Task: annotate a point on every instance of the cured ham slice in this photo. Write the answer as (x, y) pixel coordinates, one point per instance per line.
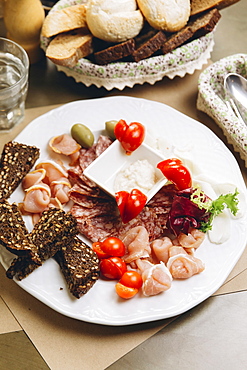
(60, 189)
(37, 198)
(33, 178)
(182, 265)
(156, 278)
(53, 171)
(65, 144)
(136, 241)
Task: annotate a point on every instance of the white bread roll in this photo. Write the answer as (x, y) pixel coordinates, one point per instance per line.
(166, 15)
(114, 20)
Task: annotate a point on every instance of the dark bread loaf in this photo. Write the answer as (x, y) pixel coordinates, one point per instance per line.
(79, 265)
(16, 161)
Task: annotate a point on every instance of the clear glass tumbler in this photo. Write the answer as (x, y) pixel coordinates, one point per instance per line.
(14, 70)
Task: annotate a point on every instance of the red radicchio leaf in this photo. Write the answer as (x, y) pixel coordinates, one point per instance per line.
(185, 214)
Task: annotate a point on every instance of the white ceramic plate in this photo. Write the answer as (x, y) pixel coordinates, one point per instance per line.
(183, 60)
(101, 304)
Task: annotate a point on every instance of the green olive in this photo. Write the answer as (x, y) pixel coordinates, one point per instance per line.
(82, 134)
(109, 126)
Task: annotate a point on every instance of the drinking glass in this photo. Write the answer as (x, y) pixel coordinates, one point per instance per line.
(14, 69)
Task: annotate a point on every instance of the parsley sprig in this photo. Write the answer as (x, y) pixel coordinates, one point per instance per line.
(215, 207)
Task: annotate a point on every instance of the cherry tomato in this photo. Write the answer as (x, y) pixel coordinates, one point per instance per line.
(174, 170)
(131, 279)
(98, 250)
(113, 247)
(113, 267)
(130, 136)
(125, 291)
(130, 204)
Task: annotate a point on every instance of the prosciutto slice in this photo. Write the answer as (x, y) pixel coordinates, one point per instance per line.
(60, 189)
(191, 241)
(183, 265)
(156, 278)
(160, 248)
(33, 178)
(37, 198)
(136, 242)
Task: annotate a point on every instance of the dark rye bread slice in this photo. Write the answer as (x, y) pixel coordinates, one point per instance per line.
(204, 23)
(52, 230)
(14, 234)
(16, 161)
(115, 52)
(177, 39)
(195, 28)
(147, 43)
(79, 265)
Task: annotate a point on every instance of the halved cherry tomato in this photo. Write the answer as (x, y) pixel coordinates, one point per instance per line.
(174, 170)
(113, 247)
(130, 136)
(96, 247)
(130, 204)
(113, 267)
(125, 291)
(131, 279)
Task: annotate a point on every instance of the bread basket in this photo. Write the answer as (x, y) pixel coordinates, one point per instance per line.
(183, 60)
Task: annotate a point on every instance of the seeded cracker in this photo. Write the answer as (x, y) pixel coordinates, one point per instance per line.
(79, 265)
(16, 161)
(53, 229)
(13, 233)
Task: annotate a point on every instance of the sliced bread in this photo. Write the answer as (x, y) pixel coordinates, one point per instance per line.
(16, 161)
(14, 234)
(197, 27)
(53, 229)
(147, 43)
(79, 265)
(205, 23)
(199, 6)
(115, 52)
(64, 20)
(177, 39)
(67, 48)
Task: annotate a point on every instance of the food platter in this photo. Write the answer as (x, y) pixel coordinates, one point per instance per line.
(101, 305)
(185, 59)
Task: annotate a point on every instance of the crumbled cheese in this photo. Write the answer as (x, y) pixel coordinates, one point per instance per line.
(138, 175)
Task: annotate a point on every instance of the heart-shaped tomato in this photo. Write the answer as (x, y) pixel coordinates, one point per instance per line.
(130, 204)
(130, 136)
